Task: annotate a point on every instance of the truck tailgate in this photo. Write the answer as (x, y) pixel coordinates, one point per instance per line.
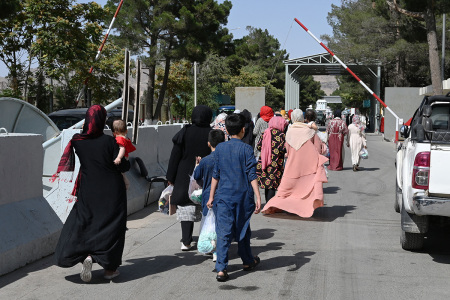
(439, 169)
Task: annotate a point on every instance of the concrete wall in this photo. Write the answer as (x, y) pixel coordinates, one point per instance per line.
(32, 210)
(29, 227)
(250, 98)
(404, 102)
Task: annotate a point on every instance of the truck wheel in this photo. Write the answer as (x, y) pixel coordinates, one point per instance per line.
(398, 197)
(411, 241)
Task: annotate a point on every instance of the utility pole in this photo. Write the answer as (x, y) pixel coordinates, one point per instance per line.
(443, 48)
(195, 83)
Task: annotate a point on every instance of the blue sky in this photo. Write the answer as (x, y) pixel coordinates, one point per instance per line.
(278, 18)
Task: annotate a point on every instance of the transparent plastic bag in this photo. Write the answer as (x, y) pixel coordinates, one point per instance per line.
(207, 239)
(163, 203)
(195, 191)
(364, 154)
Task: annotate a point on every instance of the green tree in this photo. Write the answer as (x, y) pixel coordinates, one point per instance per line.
(14, 43)
(310, 91)
(65, 41)
(169, 31)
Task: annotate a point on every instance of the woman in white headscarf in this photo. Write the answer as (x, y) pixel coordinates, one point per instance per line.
(300, 191)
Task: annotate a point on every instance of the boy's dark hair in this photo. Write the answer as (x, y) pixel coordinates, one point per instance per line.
(310, 115)
(234, 123)
(119, 126)
(215, 137)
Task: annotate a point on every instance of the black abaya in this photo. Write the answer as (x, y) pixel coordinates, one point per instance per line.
(97, 223)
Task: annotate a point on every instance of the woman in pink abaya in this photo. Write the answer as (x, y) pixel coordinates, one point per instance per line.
(301, 189)
(336, 130)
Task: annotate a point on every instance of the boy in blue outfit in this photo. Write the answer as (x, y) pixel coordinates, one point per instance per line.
(205, 169)
(233, 190)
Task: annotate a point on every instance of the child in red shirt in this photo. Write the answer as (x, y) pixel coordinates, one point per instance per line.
(120, 130)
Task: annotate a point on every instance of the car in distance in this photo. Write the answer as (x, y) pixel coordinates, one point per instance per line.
(66, 118)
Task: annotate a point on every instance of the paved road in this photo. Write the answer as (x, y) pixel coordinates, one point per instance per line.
(349, 249)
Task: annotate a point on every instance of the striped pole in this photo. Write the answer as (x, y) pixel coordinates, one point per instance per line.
(356, 77)
(101, 46)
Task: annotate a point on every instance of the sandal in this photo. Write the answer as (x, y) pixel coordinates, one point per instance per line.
(224, 277)
(253, 265)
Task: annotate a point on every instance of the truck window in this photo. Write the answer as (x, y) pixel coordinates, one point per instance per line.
(440, 116)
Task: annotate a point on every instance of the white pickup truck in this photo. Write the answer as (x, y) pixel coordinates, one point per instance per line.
(423, 162)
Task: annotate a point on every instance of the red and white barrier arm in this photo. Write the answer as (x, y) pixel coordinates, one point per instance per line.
(397, 119)
(103, 44)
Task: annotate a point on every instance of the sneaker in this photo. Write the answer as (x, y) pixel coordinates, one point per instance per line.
(113, 275)
(86, 274)
(214, 256)
(185, 248)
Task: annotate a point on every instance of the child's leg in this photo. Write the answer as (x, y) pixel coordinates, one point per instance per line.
(224, 231)
(125, 179)
(244, 250)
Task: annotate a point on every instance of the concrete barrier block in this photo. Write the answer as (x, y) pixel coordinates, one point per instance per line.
(21, 167)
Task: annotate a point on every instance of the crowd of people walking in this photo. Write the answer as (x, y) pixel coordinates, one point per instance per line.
(232, 158)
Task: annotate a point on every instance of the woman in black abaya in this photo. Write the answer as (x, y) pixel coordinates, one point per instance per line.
(191, 141)
(95, 228)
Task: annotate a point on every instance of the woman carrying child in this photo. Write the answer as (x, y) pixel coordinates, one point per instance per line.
(191, 141)
(270, 165)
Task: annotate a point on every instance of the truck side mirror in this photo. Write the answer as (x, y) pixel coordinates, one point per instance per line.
(404, 131)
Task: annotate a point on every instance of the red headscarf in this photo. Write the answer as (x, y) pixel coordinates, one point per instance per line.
(278, 123)
(289, 113)
(92, 128)
(266, 113)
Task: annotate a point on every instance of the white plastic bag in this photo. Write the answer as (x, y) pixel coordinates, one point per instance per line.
(364, 154)
(163, 203)
(195, 191)
(207, 239)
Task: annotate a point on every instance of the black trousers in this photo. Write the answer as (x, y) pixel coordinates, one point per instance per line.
(187, 228)
(269, 193)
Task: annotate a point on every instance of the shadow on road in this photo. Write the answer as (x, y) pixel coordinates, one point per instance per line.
(331, 189)
(321, 214)
(368, 169)
(437, 243)
(263, 234)
(294, 262)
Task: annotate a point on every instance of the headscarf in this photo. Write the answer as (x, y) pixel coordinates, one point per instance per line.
(201, 116)
(219, 123)
(278, 123)
(297, 116)
(94, 124)
(247, 115)
(337, 113)
(283, 113)
(289, 114)
(357, 121)
(266, 113)
(299, 132)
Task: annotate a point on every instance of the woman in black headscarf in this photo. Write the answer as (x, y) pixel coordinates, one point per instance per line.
(95, 228)
(191, 141)
(249, 126)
